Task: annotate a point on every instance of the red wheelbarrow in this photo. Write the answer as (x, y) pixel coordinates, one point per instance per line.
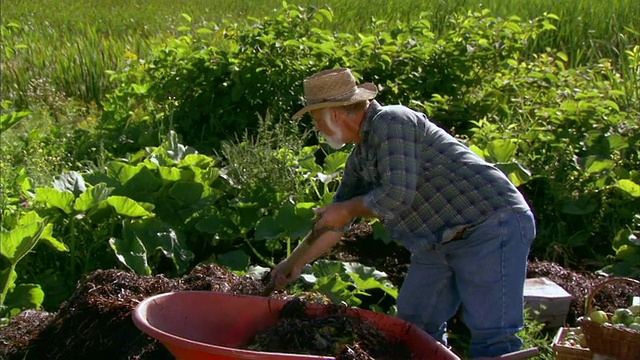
(203, 325)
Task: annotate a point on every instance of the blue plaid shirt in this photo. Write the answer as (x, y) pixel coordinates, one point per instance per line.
(420, 181)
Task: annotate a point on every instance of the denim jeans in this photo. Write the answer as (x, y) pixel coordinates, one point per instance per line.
(484, 272)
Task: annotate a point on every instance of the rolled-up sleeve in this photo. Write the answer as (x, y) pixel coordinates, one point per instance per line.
(397, 165)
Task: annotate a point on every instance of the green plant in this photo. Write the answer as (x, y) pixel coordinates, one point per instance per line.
(534, 335)
(574, 132)
(348, 283)
(14, 246)
(10, 118)
(626, 244)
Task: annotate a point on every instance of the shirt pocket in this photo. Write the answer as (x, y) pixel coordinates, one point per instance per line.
(369, 168)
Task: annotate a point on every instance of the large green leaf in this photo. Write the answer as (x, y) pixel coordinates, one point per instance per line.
(9, 120)
(380, 232)
(197, 160)
(122, 171)
(336, 289)
(187, 192)
(327, 278)
(366, 278)
(516, 172)
(127, 207)
(47, 238)
(143, 182)
(629, 186)
(595, 164)
(617, 142)
(219, 225)
(206, 176)
(135, 180)
(92, 197)
(176, 174)
(480, 152)
(156, 235)
(268, 228)
(16, 243)
(335, 162)
(236, 260)
(502, 151)
(132, 253)
(47, 234)
(629, 253)
(72, 182)
(25, 296)
(296, 219)
(62, 200)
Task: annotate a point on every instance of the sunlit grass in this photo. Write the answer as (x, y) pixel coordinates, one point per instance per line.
(72, 44)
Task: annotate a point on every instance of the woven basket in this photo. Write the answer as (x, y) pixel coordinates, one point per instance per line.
(620, 343)
(563, 352)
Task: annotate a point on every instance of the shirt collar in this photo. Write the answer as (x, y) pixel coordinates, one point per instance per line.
(373, 109)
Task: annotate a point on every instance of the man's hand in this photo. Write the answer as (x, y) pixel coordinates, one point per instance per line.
(284, 274)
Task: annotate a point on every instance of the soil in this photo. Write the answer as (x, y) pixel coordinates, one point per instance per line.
(95, 322)
(334, 334)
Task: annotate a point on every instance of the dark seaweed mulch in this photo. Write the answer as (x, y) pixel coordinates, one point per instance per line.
(95, 323)
(335, 333)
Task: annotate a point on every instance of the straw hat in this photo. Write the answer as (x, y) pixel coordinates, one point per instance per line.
(334, 87)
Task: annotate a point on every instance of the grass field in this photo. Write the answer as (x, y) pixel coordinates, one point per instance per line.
(68, 45)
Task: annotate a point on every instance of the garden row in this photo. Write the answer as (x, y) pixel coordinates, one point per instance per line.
(194, 158)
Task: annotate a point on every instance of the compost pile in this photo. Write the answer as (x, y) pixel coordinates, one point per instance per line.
(580, 284)
(334, 333)
(95, 323)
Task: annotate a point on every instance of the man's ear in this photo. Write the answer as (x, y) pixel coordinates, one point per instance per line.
(336, 116)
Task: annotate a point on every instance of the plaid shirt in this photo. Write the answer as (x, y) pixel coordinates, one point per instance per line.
(420, 181)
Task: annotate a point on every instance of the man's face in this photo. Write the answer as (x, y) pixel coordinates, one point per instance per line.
(328, 128)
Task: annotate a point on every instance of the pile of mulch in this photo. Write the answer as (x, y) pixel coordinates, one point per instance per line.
(580, 285)
(95, 323)
(335, 333)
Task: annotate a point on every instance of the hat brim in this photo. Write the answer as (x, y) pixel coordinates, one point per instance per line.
(364, 92)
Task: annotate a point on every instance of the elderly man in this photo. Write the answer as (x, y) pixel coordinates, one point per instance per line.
(468, 228)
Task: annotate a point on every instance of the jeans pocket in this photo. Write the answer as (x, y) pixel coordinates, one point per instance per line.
(527, 227)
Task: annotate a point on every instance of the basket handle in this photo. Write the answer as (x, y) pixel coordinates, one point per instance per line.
(588, 307)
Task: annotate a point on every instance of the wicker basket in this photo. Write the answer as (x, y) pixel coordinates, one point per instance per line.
(620, 343)
(563, 352)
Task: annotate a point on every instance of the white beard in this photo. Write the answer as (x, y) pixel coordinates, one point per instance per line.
(335, 140)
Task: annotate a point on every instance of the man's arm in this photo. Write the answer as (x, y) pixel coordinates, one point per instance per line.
(339, 215)
(311, 248)
(398, 164)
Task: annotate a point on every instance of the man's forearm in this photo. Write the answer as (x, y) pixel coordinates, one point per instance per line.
(312, 248)
(356, 208)
(308, 251)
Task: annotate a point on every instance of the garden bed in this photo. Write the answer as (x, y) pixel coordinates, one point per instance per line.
(95, 322)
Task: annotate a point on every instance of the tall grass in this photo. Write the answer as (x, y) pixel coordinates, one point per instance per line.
(71, 44)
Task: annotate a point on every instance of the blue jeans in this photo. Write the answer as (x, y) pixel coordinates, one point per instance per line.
(484, 272)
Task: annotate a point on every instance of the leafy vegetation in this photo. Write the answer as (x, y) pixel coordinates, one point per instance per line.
(157, 148)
